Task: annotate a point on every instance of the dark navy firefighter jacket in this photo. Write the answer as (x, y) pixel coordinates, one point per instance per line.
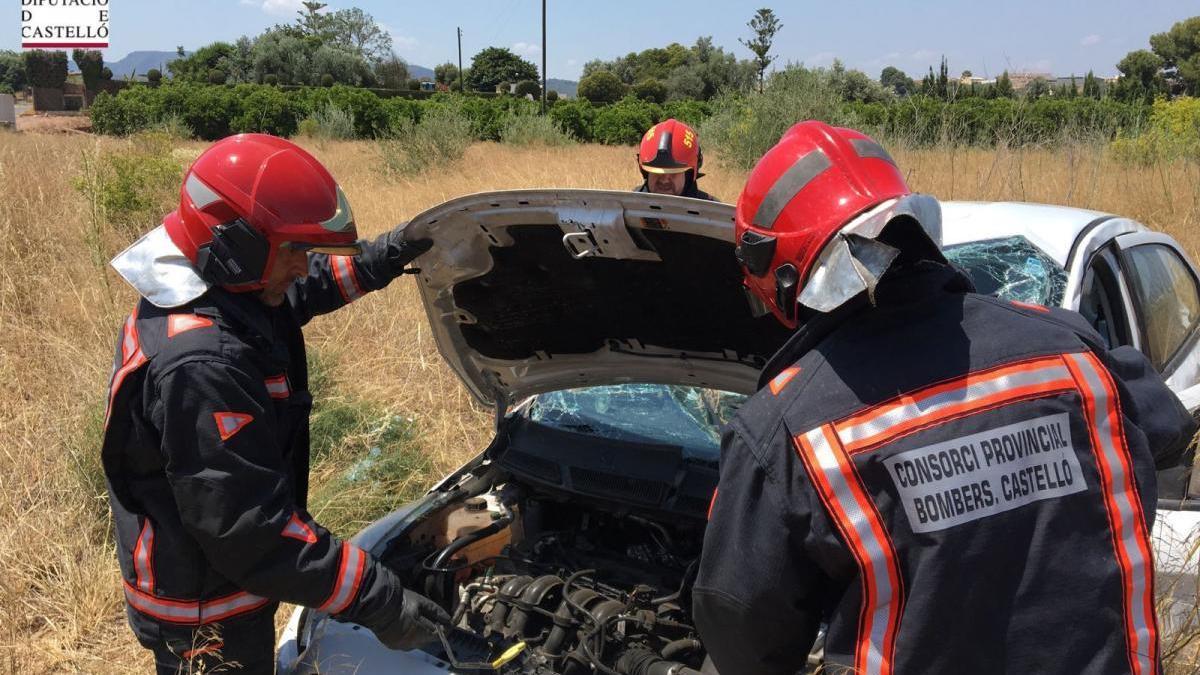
(206, 456)
(952, 483)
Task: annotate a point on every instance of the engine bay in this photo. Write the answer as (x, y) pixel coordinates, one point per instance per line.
(541, 582)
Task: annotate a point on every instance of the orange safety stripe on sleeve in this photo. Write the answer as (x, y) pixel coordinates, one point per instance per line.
(349, 577)
(346, 277)
(781, 380)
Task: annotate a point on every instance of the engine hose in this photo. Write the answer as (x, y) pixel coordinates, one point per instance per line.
(466, 540)
(684, 646)
(641, 661)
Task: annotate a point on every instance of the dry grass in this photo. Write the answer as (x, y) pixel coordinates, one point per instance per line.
(60, 605)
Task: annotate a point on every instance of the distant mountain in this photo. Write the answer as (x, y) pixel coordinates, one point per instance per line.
(417, 72)
(563, 87)
(137, 63)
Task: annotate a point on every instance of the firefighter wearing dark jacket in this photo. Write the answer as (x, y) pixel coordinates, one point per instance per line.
(949, 482)
(206, 434)
(669, 158)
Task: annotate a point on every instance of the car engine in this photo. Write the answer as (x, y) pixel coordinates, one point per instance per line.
(550, 584)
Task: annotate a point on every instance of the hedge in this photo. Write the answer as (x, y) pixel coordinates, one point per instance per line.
(214, 111)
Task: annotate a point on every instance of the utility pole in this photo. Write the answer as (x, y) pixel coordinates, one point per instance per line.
(543, 57)
(461, 88)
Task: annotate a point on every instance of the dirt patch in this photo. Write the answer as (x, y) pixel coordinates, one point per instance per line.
(54, 123)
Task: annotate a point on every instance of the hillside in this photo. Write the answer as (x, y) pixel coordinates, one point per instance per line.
(563, 87)
(137, 63)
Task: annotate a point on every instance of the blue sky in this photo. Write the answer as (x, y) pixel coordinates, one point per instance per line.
(1060, 37)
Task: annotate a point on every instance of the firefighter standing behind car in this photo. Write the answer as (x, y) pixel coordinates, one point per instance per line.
(951, 482)
(206, 434)
(670, 159)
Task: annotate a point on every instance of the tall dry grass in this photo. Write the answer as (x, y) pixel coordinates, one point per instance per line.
(60, 604)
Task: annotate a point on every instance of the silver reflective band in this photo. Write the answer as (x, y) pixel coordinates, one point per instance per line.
(788, 186)
(868, 148)
(200, 194)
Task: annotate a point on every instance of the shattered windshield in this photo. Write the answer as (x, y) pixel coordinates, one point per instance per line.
(689, 417)
(1011, 269)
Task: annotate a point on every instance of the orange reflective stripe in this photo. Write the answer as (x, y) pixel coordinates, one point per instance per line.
(1029, 305)
(277, 387)
(143, 558)
(346, 277)
(132, 358)
(781, 380)
(229, 423)
(192, 612)
(854, 514)
(200, 651)
(298, 529)
(349, 576)
(182, 323)
(1131, 542)
(955, 398)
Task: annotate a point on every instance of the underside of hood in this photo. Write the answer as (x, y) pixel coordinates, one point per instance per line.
(529, 291)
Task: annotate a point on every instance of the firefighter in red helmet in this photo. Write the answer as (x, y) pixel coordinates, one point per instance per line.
(947, 482)
(205, 446)
(669, 158)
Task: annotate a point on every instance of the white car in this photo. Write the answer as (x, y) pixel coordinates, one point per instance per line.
(610, 333)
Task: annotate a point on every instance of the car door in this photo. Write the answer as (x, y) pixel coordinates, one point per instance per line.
(1165, 292)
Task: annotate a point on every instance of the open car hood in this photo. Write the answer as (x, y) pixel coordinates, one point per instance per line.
(529, 291)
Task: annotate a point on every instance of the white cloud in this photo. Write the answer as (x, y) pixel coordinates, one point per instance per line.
(1090, 40)
(281, 7)
(820, 59)
(526, 49)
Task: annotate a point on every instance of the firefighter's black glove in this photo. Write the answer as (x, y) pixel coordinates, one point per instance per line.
(403, 249)
(414, 625)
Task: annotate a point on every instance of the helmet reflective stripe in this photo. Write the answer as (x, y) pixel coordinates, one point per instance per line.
(200, 194)
(799, 174)
(868, 148)
(343, 218)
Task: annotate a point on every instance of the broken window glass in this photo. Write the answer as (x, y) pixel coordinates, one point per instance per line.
(689, 417)
(1011, 269)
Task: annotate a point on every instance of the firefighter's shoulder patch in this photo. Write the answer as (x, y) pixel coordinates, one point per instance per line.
(229, 423)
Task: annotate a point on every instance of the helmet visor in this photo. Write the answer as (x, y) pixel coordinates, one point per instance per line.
(329, 249)
(665, 169)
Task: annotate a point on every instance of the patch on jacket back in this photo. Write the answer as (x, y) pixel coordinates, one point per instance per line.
(983, 474)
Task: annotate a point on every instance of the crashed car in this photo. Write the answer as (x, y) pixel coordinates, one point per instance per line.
(610, 334)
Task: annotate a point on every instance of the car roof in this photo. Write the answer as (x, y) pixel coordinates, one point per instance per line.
(1053, 229)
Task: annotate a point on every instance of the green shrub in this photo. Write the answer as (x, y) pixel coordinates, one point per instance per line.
(134, 184)
(743, 129)
(401, 112)
(265, 110)
(1173, 133)
(121, 115)
(327, 80)
(328, 122)
(173, 127)
(370, 118)
(533, 130)
(154, 75)
(551, 96)
(442, 135)
(624, 122)
(270, 79)
(574, 117)
(692, 113)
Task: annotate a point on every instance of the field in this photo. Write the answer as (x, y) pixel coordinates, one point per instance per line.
(60, 306)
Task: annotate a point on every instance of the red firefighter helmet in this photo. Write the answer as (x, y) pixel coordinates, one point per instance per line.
(807, 219)
(670, 147)
(247, 196)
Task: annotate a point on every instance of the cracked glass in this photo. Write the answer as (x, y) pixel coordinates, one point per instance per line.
(1011, 269)
(691, 418)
